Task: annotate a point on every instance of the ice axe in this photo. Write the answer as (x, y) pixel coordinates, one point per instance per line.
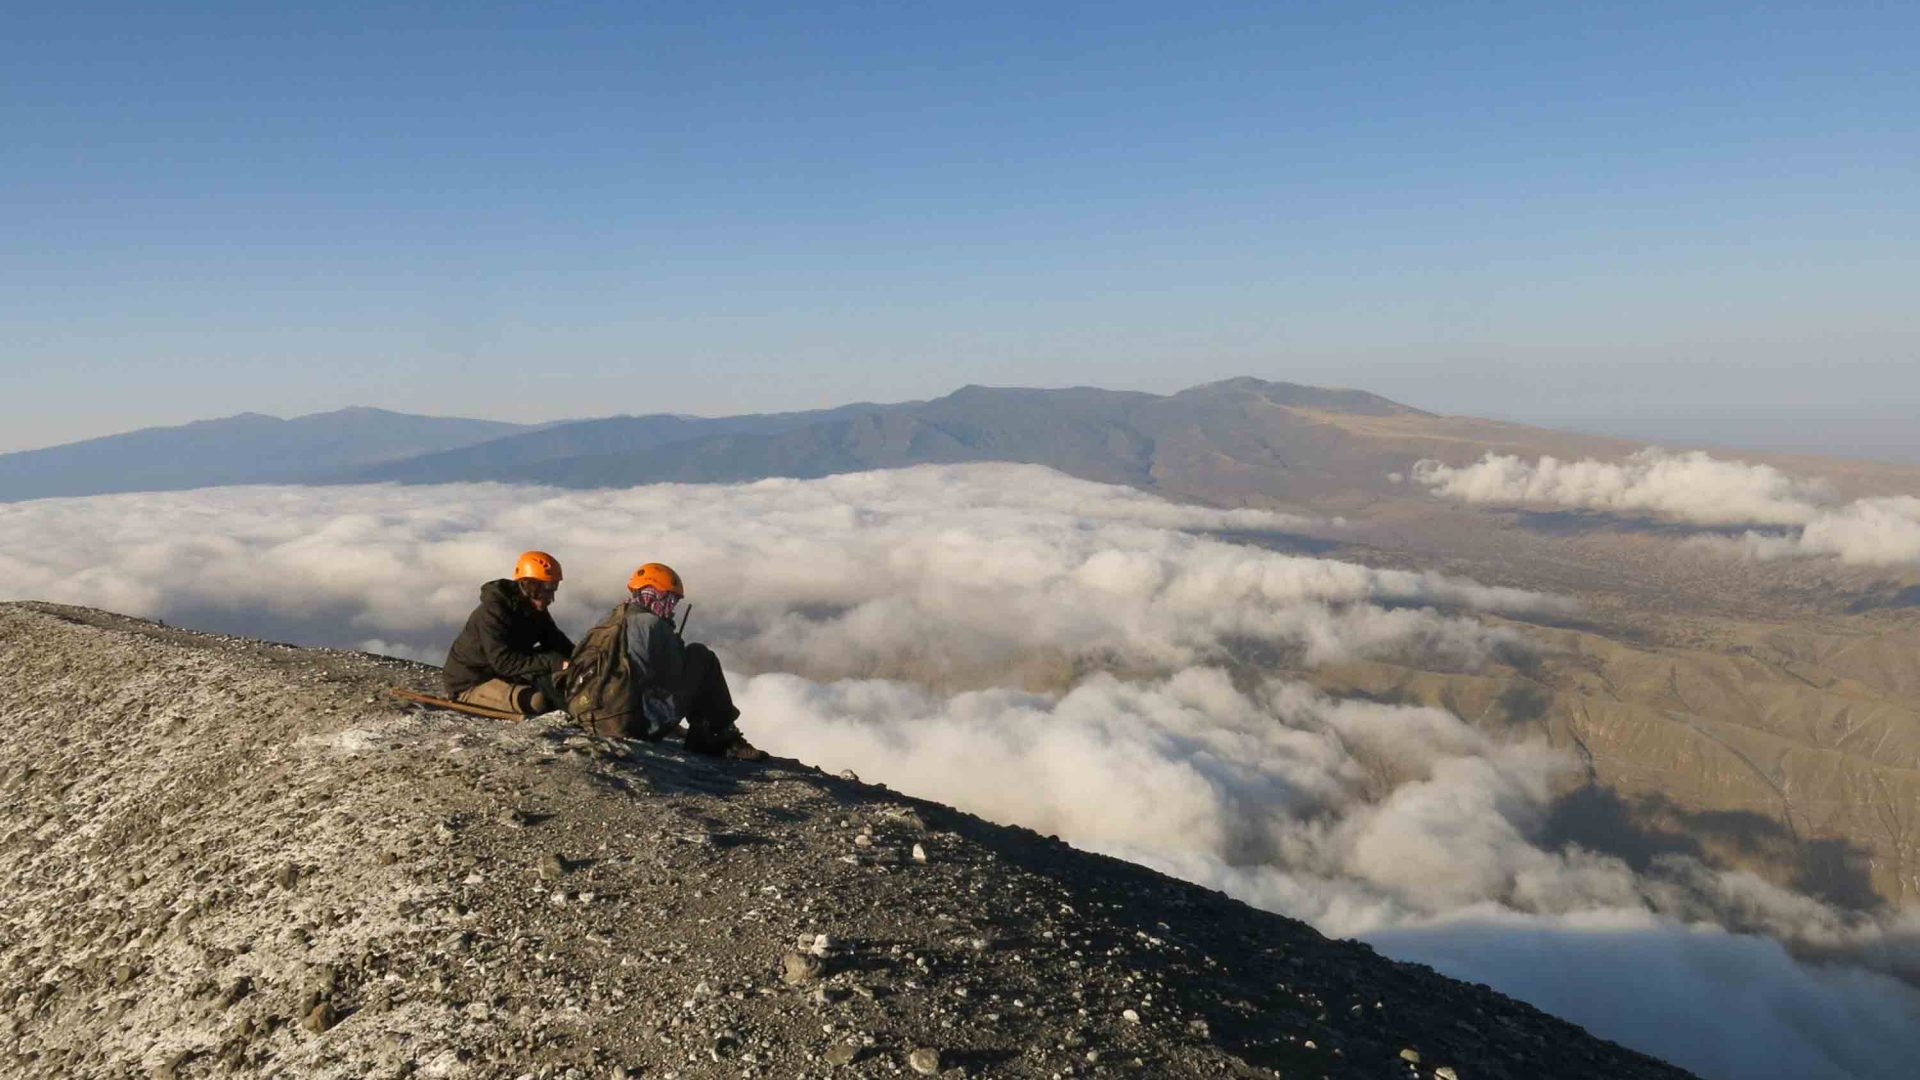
(685, 614)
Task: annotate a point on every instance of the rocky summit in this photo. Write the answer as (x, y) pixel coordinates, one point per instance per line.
(223, 857)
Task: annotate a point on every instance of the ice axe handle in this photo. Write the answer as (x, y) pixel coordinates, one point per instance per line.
(685, 614)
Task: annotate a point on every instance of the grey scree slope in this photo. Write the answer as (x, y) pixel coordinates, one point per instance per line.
(221, 856)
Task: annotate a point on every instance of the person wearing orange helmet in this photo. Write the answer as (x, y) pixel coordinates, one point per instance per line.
(678, 678)
(510, 650)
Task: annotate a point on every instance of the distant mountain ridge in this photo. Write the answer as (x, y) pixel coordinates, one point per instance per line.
(1126, 437)
(250, 448)
(512, 456)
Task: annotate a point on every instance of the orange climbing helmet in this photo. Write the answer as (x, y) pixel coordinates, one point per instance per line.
(537, 565)
(659, 576)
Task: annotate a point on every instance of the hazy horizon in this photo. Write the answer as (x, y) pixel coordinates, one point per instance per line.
(1888, 434)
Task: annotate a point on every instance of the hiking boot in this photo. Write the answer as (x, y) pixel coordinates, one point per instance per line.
(728, 744)
(742, 750)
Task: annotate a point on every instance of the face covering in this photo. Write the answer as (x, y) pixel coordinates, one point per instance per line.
(660, 603)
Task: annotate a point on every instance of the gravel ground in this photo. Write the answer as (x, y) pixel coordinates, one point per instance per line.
(221, 856)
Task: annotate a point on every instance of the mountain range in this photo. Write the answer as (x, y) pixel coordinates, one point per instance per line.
(1241, 425)
(249, 448)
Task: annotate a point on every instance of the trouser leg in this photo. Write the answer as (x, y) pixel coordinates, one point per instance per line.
(706, 702)
(505, 696)
(546, 695)
(496, 694)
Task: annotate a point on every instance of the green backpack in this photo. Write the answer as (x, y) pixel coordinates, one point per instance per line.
(599, 685)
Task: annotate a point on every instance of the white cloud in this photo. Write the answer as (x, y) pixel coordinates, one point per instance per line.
(1016, 566)
(1697, 488)
(1692, 487)
(1871, 532)
(1722, 1005)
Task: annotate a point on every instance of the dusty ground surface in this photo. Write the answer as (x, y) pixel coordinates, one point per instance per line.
(221, 856)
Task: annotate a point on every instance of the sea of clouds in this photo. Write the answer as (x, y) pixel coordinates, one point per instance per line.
(1698, 488)
(1088, 661)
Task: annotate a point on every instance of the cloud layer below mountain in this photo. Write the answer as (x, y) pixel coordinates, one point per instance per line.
(947, 573)
(1085, 660)
(1697, 488)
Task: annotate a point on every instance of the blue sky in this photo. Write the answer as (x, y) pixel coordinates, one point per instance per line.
(526, 211)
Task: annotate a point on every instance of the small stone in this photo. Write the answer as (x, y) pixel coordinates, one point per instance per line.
(799, 967)
(235, 991)
(925, 1061)
(321, 1018)
(849, 774)
(286, 876)
(552, 865)
(1445, 1072)
(919, 854)
(842, 1054)
(863, 841)
(1410, 1056)
(1130, 1016)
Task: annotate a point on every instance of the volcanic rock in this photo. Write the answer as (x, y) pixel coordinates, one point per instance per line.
(413, 941)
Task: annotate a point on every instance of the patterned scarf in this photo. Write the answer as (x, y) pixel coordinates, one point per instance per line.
(660, 603)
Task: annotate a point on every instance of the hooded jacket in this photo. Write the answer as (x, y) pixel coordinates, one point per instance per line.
(505, 638)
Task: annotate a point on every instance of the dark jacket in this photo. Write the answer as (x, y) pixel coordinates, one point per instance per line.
(505, 638)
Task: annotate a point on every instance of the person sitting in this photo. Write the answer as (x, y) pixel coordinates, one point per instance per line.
(510, 650)
(678, 678)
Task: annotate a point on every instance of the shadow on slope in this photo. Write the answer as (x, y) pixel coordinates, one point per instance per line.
(1643, 829)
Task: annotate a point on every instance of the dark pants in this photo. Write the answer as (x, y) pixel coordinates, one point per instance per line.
(706, 702)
